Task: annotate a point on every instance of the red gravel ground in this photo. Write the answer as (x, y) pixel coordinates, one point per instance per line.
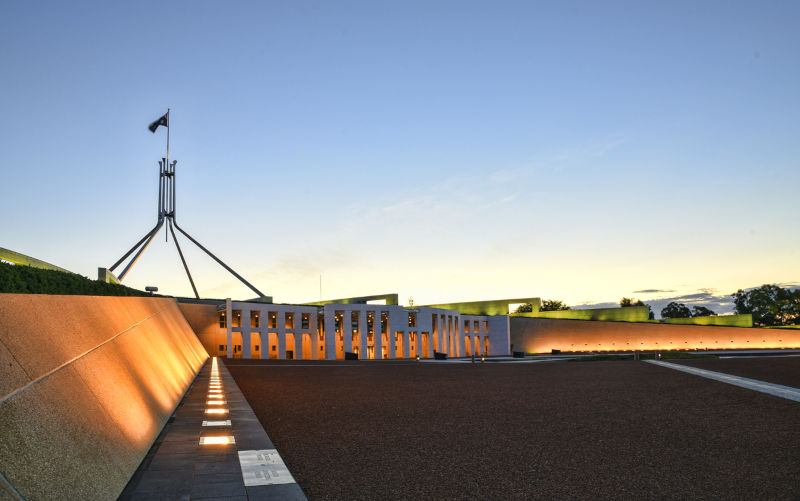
(778, 370)
(620, 430)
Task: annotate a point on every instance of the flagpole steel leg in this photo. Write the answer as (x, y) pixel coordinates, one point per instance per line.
(136, 257)
(248, 284)
(135, 246)
(180, 253)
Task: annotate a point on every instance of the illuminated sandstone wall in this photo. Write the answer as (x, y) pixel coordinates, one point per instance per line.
(204, 320)
(86, 385)
(538, 335)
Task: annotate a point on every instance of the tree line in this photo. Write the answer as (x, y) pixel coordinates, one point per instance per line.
(769, 305)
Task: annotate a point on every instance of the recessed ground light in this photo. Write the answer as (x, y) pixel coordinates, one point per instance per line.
(218, 410)
(215, 402)
(217, 440)
(225, 422)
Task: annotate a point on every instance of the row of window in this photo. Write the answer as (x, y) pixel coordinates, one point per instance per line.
(272, 320)
(305, 321)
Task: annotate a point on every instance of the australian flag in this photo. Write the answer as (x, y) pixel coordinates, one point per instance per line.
(164, 120)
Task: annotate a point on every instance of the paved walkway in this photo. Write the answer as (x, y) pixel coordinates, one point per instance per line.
(214, 447)
(751, 384)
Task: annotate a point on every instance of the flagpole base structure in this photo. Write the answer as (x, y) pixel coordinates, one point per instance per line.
(166, 213)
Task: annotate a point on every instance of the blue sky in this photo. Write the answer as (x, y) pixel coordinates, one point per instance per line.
(447, 151)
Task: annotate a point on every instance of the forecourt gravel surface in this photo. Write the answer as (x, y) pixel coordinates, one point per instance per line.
(588, 430)
(778, 370)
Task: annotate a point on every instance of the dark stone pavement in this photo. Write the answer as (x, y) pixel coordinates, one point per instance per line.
(178, 467)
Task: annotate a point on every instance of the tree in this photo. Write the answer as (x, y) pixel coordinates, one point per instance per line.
(627, 301)
(676, 310)
(524, 308)
(769, 304)
(701, 311)
(553, 305)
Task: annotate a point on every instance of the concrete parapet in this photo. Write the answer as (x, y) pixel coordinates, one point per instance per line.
(542, 335)
(86, 385)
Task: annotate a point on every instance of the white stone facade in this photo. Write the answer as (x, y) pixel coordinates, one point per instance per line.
(372, 331)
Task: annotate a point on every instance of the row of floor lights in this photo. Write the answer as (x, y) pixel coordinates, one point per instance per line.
(216, 407)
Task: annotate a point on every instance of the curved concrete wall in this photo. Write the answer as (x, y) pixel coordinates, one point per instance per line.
(86, 385)
(539, 335)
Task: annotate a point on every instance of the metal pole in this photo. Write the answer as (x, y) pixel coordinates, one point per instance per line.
(185, 266)
(248, 284)
(136, 257)
(168, 127)
(160, 184)
(135, 246)
(172, 209)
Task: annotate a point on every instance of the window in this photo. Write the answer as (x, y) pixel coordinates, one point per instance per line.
(256, 347)
(370, 323)
(354, 321)
(412, 319)
(255, 319)
(486, 326)
(305, 321)
(273, 320)
(222, 347)
(237, 318)
(338, 318)
(289, 320)
(385, 322)
(475, 327)
(466, 326)
(222, 323)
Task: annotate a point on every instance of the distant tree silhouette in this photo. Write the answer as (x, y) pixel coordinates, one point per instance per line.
(702, 311)
(524, 308)
(676, 310)
(627, 301)
(769, 305)
(553, 305)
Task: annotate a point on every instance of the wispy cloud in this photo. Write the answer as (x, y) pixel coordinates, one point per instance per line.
(653, 291)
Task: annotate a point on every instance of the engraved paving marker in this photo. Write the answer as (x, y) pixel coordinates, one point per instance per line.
(264, 467)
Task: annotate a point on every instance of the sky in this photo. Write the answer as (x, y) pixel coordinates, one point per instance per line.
(446, 151)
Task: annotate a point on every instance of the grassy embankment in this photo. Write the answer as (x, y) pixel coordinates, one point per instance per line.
(16, 279)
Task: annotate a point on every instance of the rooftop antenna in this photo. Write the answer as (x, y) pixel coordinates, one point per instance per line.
(166, 213)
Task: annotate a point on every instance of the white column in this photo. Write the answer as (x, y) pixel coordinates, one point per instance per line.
(459, 347)
(281, 341)
(229, 324)
(378, 336)
(347, 330)
(246, 343)
(362, 334)
(314, 336)
(330, 334)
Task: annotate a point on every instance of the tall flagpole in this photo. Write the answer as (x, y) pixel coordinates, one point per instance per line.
(166, 233)
(167, 136)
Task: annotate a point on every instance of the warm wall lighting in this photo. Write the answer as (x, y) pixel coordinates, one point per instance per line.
(217, 440)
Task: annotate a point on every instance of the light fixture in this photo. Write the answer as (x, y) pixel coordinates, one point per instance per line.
(215, 402)
(218, 410)
(225, 440)
(226, 422)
